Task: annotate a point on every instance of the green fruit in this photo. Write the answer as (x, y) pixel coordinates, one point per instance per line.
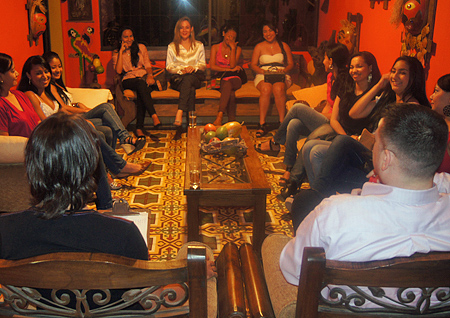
(99, 69)
(222, 132)
(209, 135)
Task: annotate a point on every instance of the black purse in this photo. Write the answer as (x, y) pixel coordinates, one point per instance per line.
(241, 73)
(270, 77)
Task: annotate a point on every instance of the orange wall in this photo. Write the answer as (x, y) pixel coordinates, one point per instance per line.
(382, 39)
(14, 31)
(377, 36)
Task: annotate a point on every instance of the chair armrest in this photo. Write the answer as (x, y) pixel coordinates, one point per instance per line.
(255, 284)
(91, 97)
(12, 149)
(230, 289)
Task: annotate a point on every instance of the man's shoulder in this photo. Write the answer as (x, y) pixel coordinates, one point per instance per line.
(348, 203)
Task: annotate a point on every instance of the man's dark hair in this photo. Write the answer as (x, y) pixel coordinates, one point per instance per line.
(62, 157)
(418, 137)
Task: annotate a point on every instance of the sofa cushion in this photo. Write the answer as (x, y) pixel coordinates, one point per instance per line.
(248, 90)
(13, 148)
(90, 97)
(313, 95)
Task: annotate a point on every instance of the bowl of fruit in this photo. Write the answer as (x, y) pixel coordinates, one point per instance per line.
(223, 139)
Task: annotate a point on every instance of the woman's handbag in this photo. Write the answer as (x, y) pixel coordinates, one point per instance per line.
(273, 74)
(214, 83)
(160, 80)
(241, 74)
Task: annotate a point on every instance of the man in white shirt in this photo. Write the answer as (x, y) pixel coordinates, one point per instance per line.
(402, 214)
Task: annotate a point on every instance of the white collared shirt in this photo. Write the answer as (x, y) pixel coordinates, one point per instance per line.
(194, 57)
(380, 223)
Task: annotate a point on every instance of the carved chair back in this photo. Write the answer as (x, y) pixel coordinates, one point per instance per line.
(103, 285)
(419, 279)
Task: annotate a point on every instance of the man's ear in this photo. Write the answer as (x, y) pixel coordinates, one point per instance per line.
(387, 159)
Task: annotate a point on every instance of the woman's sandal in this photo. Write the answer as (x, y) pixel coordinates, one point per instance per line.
(262, 130)
(138, 144)
(125, 175)
(272, 152)
(284, 182)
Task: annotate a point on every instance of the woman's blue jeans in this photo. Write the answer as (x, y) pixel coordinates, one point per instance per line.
(105, 115)
(344, 167)
(299, 122)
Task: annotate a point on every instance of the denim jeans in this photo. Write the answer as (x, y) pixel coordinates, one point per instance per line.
(105, 131)
(112, 160)
(344, 167)
(299, 122)
(108, 117)
(313, 153)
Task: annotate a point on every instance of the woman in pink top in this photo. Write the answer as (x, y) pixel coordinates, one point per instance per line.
(131, 59)
(224, 60)
(17, 115)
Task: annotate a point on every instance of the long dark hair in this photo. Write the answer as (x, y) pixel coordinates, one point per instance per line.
(134, 48)
(280, 43)
(6, 63)
(62, 158)
(339, 53)
(61, 87)
(416, 83)
(415, 88)
(27, 85)
(444, 82)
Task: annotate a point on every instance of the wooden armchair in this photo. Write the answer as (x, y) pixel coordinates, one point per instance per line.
(91, 279)
(428, 274)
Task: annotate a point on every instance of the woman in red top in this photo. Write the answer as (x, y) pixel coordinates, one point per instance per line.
(17, 115)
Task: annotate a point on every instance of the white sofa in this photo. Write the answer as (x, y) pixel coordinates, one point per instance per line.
(14, 192)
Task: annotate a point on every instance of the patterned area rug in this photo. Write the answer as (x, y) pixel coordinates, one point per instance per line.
(159, 191)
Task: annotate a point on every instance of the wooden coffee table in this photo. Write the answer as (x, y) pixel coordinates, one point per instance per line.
(226, 181)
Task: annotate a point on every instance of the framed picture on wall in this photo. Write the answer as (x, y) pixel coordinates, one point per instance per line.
(80, 10)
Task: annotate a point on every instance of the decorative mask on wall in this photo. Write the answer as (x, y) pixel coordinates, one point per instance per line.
(418, 18)
(415, 13)
(37, 20)
(347, 35)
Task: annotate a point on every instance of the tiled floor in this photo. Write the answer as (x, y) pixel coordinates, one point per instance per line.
(159, 191)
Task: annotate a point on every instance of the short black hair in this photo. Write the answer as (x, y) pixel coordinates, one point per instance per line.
(62, 157)
(417, 135)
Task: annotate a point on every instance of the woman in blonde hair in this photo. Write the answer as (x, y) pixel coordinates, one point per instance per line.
(186, 64)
